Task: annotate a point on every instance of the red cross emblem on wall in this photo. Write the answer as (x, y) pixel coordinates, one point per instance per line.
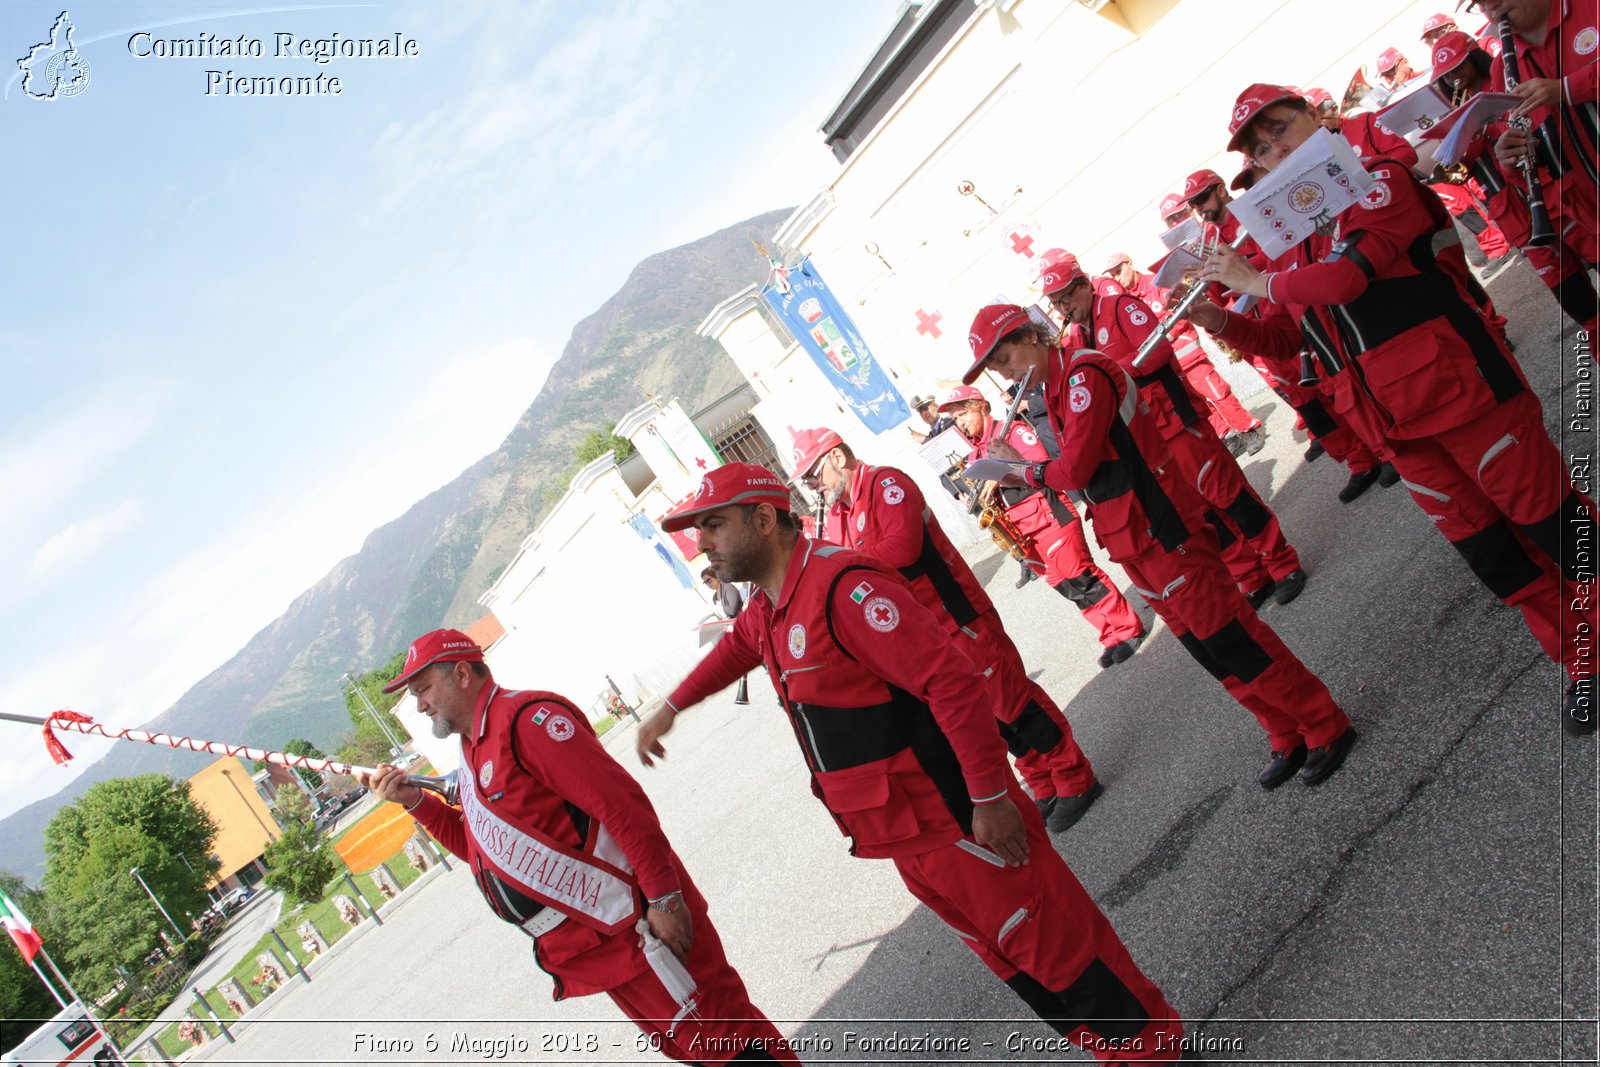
(1021, 243)
(928, 323)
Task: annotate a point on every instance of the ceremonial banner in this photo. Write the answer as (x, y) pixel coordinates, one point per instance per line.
(646, 529)
(18, 926)
(808, 308)
(1313, 186)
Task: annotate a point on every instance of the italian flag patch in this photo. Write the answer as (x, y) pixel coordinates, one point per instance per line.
(541, 715)
(860, 592)
(1076, 379)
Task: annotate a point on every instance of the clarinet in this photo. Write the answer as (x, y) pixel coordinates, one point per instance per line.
(1544, 234)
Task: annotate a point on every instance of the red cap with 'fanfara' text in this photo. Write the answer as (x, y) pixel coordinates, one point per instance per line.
(439, 646)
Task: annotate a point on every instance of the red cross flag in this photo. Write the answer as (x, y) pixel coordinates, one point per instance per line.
(18, 926)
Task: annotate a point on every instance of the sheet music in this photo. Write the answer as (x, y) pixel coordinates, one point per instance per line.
(1460, 126)
(1319, 181)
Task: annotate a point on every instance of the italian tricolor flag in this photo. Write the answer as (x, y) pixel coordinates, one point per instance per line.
(18, 926)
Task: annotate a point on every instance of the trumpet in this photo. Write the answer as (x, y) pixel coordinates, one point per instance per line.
(444, 784)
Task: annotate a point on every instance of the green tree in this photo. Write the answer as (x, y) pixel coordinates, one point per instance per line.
(22, 995)
(300, 747)
(597, 443)
(151, 822)
(301, 863)
(367, 744)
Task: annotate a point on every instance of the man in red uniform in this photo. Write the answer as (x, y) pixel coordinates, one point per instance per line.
(1258, 556)
(1558, 45)
(1461, 70)
(1421, 377)
(1059, 553)
(897, 731)
(1239, 430)
(1209, 201)
(1152, 521)
(1394, 69)
(881, 512)
(564, 844)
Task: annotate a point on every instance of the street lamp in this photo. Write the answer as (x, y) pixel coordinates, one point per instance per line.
(394, 743)
(135, 872)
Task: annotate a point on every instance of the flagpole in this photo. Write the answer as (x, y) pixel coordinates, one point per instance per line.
(88, 1009)
(47, 984)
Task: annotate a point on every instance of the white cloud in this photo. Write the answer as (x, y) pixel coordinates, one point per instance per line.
(82, 540)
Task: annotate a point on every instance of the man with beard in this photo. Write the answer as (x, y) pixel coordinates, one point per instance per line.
(897, 731)
(540, 794)
(881, 512)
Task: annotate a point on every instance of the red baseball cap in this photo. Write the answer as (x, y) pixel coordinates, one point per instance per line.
(988, 326)
(1117, 259)
(1243, 179)
(1436, 22)
(1171, 204)
(959, 395)
(1318, 97)
(1250, 104)
(1389, 59)
(810, 446)
(437, 646)
(1450, 51)
(1197, 184)
(1051, 256)
(1057, 277)
(733, 483)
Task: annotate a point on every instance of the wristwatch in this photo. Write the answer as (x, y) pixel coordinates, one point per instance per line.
(1036, 475)
(672, 903)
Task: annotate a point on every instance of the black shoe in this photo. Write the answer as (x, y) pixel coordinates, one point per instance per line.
(1259, 597)
(1281, 767)
(1046, 805)
(1025, 577)
(1289, 586)
(1315, 452)
(1234, 443)
(1119, 652)
(1069, 810)
(1387, 475)
(1358, 484)
(1322, 762)
(1577, 710)
(1254, 440)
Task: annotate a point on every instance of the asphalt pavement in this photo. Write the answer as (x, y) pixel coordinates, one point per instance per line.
(1434, 902)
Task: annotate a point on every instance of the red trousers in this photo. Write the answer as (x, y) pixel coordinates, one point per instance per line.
(1318, 417)
(1225, 410)
(1191, 590)
(1458, 202)
(723, 1021)
(1037, 929)
(1498, 490)
(1048, 758)
(1253, 545)
(1061, 557)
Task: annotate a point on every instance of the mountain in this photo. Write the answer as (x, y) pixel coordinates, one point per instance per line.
(428, 567)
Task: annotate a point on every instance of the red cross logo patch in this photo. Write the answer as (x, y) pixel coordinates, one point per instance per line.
(882, 614)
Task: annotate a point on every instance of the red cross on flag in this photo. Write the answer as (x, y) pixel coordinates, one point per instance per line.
(1020, 240)
(928, 323)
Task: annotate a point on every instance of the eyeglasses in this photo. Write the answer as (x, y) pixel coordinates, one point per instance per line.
(1268, 132)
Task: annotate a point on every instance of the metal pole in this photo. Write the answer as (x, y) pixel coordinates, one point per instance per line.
(361, 898)
(394, 743)
(206, 1004)
(292, 958)
(140, 878)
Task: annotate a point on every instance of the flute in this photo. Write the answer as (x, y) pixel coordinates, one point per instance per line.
(1170, 323)
(1544, 233)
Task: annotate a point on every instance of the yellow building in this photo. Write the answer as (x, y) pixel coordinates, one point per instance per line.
(245, 826)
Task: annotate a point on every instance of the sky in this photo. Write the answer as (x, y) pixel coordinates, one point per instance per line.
(241, 332)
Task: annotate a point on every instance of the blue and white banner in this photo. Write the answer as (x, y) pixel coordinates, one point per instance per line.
(808, 308)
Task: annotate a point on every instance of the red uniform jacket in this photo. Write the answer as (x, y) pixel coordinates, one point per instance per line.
(886, 516)
(896, 726)
(1113, 457)
(1408, 356)
(1035, 511)
(1185, 342)
(1371, 140)
(1118, 324)
(555, 777)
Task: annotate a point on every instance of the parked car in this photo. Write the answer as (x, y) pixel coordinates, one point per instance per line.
(235, 900)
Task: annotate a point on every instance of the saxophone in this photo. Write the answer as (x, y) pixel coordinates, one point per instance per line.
(1005, 531)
